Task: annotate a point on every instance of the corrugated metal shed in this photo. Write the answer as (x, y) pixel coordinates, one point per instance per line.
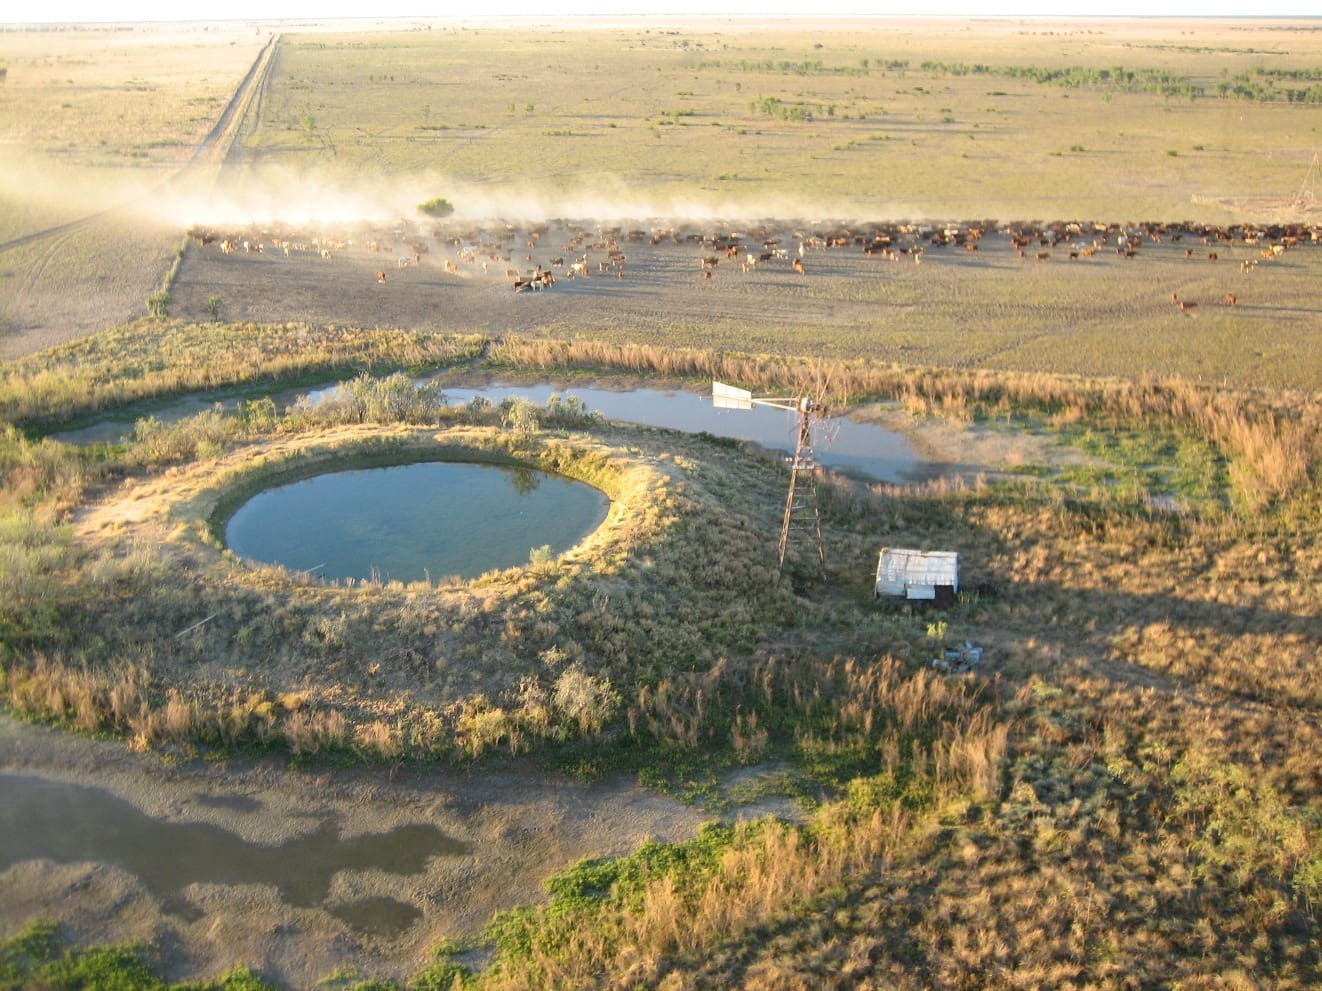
(913, 574)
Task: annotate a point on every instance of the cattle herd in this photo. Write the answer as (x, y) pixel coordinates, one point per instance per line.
(534, 257)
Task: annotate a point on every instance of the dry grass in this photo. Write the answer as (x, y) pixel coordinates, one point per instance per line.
(1126, 796)
(1131, 795)
(155, 359)
(694, 114)
(106, 98)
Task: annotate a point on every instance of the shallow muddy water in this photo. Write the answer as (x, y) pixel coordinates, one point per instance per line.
(298, 873)
(71, 823)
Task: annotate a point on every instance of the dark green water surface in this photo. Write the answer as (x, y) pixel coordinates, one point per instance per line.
(417, 522)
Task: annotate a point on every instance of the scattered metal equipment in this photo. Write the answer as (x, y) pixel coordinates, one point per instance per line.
(931, 576)
(958, 660)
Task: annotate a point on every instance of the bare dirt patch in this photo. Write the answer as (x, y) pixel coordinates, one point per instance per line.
(1079, 309)
(74, 283)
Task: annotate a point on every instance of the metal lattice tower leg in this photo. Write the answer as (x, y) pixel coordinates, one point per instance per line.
(801, 512)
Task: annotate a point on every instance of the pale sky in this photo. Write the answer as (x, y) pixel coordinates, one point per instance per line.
(75, 11)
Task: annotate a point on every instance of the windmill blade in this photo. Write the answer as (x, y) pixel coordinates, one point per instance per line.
(731, 397)
(728, 397)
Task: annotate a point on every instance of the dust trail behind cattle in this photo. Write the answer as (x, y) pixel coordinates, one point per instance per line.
(303, 198)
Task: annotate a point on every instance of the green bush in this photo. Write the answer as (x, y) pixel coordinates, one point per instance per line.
(438, 207)
(158, 303)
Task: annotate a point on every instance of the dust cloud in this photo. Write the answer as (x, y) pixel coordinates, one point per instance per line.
(40, 186)
(277, 196)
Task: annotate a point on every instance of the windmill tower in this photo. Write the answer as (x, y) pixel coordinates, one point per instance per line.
(1304, 199)
(801, 511)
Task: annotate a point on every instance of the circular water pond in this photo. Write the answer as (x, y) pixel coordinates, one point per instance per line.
(416, 522)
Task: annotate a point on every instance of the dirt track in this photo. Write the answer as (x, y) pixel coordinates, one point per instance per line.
(92, 272)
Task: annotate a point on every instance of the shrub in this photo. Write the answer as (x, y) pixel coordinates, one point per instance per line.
(438, 207)
(586, 701)
(158, 303)
(519, 417)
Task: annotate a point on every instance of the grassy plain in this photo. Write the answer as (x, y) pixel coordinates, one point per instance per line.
(1126, 794)
(94, 116)
(97, 122)
(740, 120)
(882, 121)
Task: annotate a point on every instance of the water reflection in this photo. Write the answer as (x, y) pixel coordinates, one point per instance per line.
(861, 449)
(525, 480)
(70, 823)
(415, 522)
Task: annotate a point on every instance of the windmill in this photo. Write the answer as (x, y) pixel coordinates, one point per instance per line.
(801, 512)
(1304, 198)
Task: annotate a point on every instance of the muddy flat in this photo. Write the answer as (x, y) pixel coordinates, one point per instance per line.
(507, 830)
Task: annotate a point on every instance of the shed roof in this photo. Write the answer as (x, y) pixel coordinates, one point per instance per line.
(898, 566)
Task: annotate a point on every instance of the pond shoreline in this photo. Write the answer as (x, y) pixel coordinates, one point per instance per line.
(940, 449)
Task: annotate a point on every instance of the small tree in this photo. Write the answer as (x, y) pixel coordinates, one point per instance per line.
(213, 307)
(158, 303)
(477, 408)
(438, 207)
(519, 416)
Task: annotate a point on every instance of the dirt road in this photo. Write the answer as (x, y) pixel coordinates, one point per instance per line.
(85, 274)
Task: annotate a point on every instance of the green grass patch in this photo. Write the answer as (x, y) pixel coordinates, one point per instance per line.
(38, 957)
